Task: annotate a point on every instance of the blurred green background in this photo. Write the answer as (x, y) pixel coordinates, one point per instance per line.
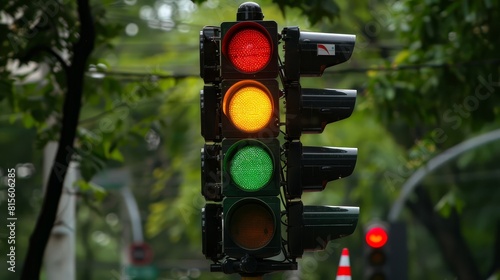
(427, 75)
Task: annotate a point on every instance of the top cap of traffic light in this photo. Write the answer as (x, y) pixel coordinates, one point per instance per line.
(249, 11)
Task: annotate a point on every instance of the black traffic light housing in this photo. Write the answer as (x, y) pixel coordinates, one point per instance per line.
(210, 113)
(309, 111)
(243, 164)
(209, 54)
(211, 227)
(239, 65)
(211, 185)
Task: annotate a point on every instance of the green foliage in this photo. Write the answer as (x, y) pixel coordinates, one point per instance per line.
(97, 192)
(450, 93)
(450, 201)
(441, 91)
(33, 63)
(454, 76)
(314, 10)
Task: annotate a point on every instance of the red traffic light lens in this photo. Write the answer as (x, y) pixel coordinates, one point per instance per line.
(248, 47)
(376, 237)
(252, 226)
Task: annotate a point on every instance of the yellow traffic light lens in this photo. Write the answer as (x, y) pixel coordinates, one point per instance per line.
(252, 226)
(248, 105)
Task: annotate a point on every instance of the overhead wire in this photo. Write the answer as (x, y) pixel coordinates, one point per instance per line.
(394, 68)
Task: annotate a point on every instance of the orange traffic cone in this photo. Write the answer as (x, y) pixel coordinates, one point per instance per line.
(344, 271)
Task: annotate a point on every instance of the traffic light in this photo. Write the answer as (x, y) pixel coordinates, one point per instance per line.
(309, 110)
(241, 158)
(244, 167)
(386, 251)
(376, 251)
(250, 125)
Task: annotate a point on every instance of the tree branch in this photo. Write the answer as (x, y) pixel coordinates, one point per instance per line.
(495, 268)
(100, 115)
(63, 63)
(446, 231)
(42, 48)
(71, 111)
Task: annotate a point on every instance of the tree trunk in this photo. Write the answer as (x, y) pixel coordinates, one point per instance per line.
(71, 111)
(446, 231)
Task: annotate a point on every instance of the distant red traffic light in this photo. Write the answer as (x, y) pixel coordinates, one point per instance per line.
(376, 237)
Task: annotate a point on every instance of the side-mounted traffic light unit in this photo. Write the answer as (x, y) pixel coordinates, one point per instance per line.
(251, 181)
(309, 110)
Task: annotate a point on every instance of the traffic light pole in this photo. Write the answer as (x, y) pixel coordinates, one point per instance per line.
(133, 214)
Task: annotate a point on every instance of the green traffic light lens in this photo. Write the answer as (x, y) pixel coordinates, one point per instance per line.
(251, 167)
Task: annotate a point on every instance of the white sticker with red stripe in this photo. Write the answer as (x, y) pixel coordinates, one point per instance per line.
(326, 49)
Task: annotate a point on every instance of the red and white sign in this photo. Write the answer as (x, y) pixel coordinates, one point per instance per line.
(140, 254)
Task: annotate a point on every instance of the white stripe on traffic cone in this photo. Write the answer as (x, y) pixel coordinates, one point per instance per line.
(344, 270)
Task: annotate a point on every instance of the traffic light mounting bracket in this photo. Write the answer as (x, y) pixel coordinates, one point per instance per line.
(209, 54)
(249, 266)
